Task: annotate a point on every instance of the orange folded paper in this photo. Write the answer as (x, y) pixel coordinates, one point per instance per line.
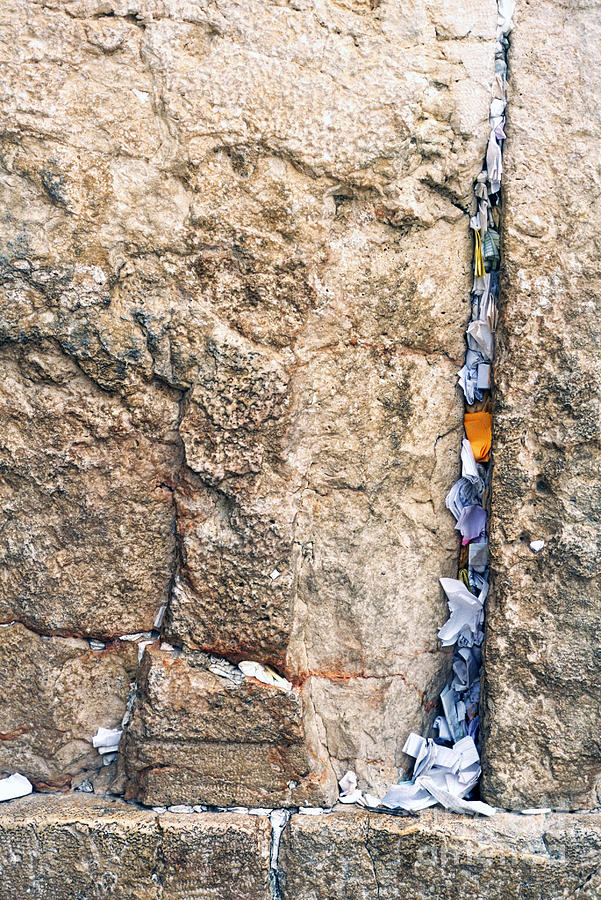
(478, 429)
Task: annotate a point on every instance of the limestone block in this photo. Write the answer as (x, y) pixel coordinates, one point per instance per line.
(360, 856)
(250, 220)
(86, 543)
(196, 737)
(542, 662)
(221, 856)
(81, 846)
(56, 693)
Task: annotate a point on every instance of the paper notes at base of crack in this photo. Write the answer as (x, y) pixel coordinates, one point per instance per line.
(442, 775)
(350, 793)
(106, 741)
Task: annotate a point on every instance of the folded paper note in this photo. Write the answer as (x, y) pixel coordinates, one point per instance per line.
(14, 786)
(265, 674)
(478, 429)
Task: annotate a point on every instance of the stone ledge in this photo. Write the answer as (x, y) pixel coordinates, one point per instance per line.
(361, 856)
(80, 846)
(60, 847)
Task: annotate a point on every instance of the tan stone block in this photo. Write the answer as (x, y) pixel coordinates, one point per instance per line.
(60, 848)
(360, 856)
(196, 738)
(248, 223)
(56, 693)
(214, 856)
(87, 512)
(79, 845)
(542, 663)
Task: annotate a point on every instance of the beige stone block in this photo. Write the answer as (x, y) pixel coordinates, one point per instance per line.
(246, 224)
(196, 737)
(542, 662)
(360, 856)
(86, 544)
(56, 693)
(82, 846)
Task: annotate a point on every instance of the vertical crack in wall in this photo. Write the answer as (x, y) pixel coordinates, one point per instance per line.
(469, 498)
(162, 614)
(447, 766)
(278, 819)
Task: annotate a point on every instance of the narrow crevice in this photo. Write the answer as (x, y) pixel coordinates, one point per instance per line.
(371, 857)
(278, 819)
(441, 772)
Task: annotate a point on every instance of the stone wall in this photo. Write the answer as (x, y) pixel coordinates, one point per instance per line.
(235, 271)
(542, 664)
(235, 276)
(114, 850)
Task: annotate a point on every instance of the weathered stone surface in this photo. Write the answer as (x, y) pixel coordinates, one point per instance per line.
(542, 663)
(86, 543)
(215, 857)
(56, 693)
(360, 856)
(246, 222)
(196, 737)
(84, 847)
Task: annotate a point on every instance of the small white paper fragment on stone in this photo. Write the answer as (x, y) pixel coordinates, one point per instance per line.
(483, 382)
(275, 574)
(465, 608)
(349, 792)
(96, 645)
(160, 615)
(536, 546)
(142, 647)
(348, 783)
(106, 740)
(536, 812)
(469, 468)
(455, 803)
(14, 786)
(225, 669)
(264, 674)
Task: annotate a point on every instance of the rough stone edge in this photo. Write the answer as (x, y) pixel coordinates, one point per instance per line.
(507, 835)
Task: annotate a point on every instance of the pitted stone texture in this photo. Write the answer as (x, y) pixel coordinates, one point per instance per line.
(86, 542)
(262, 205)
(542, 665)
(196, 737)
(217, 856)
(59, 849)
(56, 693)
(360, 856)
